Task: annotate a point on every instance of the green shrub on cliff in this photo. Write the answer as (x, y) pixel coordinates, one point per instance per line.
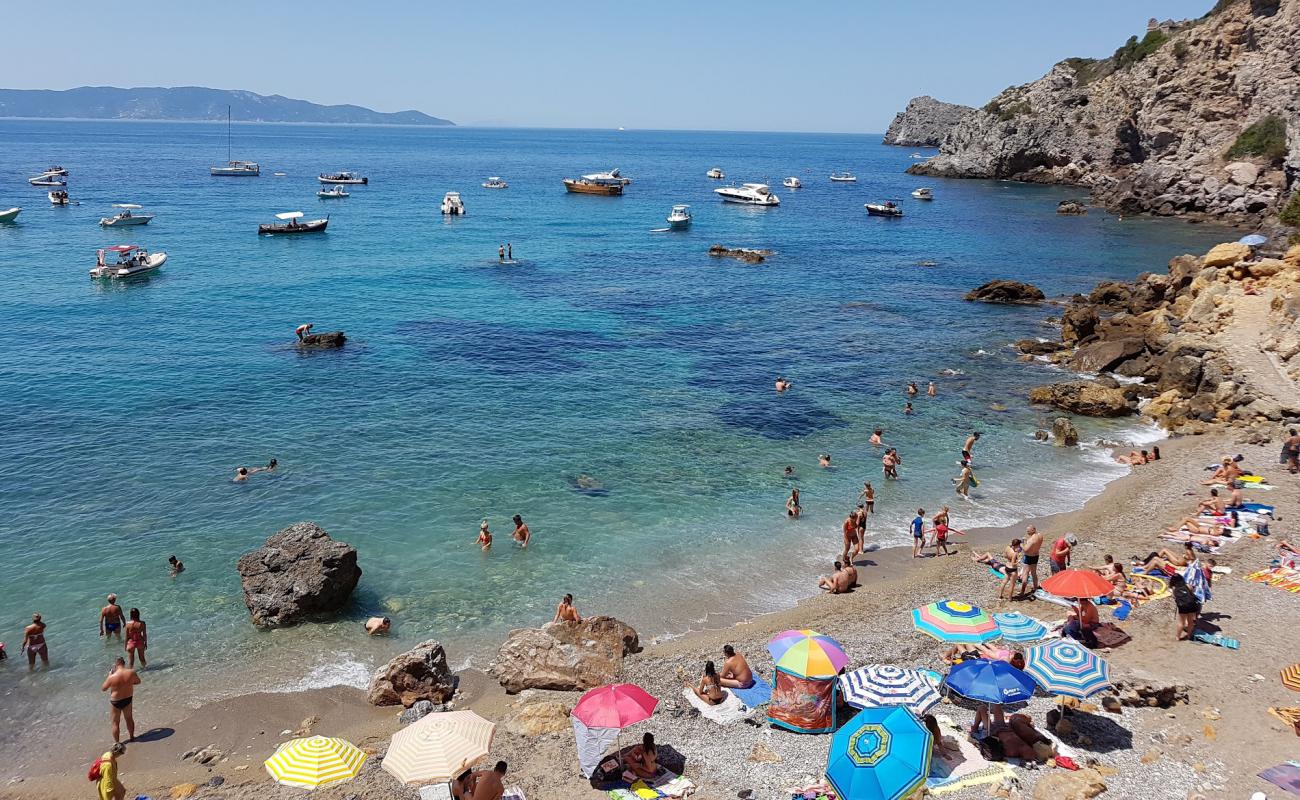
(1291, 212)
(1008, 112)
(1266, 139)
(1134, 51)
(1087, 70)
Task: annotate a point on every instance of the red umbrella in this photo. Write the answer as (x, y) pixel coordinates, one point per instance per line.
(616, 706)
(1078, 583)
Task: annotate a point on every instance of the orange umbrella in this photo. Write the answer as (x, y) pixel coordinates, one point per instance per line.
(1078, 583)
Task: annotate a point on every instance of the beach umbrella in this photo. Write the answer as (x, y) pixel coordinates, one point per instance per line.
(986, 681)
(880, 754)
(314, 762)
(615, 706)
(807, 654)
(1065, 667)
(883, 685)
(1291, 677)
(1077, 583)
(1017, 627)
(438, 747)
(954, 621)
(1254, 239)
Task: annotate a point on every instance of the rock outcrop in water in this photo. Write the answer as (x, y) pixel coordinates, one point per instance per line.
(420, 673)
(1198, 118)
(925, 122)
(1006, 292)
(566, 656)
(749, 256)
(298, 574)
(323, 341)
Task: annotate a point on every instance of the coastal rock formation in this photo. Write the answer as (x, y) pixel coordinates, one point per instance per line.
(1072, 207)
(925, 122)
(1002, 291)
(1197, 118)
(1035, 347)
(299, 573)
(420, 673)
(540, 718)
(1086, 398)
(1064, 434)
(323, 340)
(747, 255)
(566, 656)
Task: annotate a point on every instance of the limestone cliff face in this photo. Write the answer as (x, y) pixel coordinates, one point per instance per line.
(1149, 129)
(925, 122)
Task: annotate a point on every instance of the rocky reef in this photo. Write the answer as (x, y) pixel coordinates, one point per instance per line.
(925, 122)
(1006, 292)
(1197, 119)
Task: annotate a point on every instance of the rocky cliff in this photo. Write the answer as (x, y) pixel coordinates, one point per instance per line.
(925, 122)
(1198, 118)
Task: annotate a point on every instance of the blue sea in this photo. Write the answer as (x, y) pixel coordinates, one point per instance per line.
(469, 390)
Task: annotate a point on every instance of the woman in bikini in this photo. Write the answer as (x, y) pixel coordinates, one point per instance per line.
(644, 758)
(137, 639)
(34, 643)
(710, 688)
(868, 497)
(792, 507)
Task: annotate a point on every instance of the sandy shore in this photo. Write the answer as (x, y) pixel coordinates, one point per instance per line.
(1215, 744)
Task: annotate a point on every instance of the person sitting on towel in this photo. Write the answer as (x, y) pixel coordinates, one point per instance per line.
(1212, 504)
(1082, 622)
(644, 758)
(736, 673)
(710, 688)
(1227, 472)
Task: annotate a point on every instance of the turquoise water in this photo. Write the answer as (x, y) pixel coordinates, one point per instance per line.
(469, 390)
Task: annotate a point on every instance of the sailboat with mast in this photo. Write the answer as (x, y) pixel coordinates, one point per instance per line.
(235, 169)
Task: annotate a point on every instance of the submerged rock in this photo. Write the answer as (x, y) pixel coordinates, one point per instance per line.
(1005, 291)
(323, 340)
(1064, 434)
(299, 573)
(747, 255)
(565, 656)
(1072, 207)
(420, 673)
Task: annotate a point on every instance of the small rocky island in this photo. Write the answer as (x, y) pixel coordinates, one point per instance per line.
(925, 122)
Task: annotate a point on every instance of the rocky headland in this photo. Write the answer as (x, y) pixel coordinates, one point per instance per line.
(1198, 119)
(925, 122)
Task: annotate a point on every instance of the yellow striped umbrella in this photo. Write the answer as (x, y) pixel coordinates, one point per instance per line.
(315, 761)
(438, 747)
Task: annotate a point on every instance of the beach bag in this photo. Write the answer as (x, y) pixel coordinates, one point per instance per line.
(93, 774)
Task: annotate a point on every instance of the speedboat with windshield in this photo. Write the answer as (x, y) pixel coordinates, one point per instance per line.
(611, 177)
(754, 194)
(791, 183)
(844, 177)
(350, 178)
(48, 179)
(495, 183)
(886, 209)
(715, 173)
(923, 193)
(680, 218)
(289, 223)
(126, 261)
(452, 205)
(125, 218)
(59, 197)
(332, 192)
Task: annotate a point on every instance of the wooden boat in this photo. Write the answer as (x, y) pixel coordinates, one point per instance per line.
(291, 224)
(585, 186)
(8, 215)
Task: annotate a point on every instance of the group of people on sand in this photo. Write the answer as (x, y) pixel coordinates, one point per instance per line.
(936, 534)
(483, 784)
(1136, 458)
(521, 535)
(735, 674)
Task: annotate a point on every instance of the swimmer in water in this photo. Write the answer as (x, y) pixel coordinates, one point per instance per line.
(824, 460)
(484, 536)
(907, 409)
(177, 567)
(792, 507)
(912, 391)
(789, 472)
(782, 384)
(931, 391)
(521, 534)
(875, 436)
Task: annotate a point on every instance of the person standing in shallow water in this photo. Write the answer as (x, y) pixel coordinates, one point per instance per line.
(34, 643)
(792, 507)
(120, 685)
(137, 638)
(931, 391)
(110, 619)
(521, 534)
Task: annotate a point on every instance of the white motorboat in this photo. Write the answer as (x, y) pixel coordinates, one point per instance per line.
(131, 261)
(495, 183)
(332, 192)
(611, 177)
(716, 174)
(791, 183)
(9, 214)
(350, 178)
(235, 169)
(56, 170)
(844, 177)
(755, 194)
(452, 206)
(47, 179)
(924, 193)
(886, 209)
(59, 197)
(125, 218)
(680, 218)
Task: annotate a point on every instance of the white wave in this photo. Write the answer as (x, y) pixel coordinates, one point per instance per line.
(345, 671)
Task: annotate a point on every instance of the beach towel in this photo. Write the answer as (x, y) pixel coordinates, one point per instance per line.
(1280, 577)
(1286, 776)
(1194, 575)
(514, 793)
(757, 695)
(1111, 635)
(956, 771)
(436, 791)
(728, 711)
(1217, 640)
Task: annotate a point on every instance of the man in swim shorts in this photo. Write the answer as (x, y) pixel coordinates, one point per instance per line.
(521, 534)
(110, 619)
(836, 582)
(120, 685)
(736, 673)
(1029, 561)
(918, 532)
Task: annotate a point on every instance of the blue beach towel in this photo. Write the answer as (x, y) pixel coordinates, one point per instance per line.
(756, 695)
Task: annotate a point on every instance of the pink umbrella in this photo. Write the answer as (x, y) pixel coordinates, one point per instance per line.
(615, 706)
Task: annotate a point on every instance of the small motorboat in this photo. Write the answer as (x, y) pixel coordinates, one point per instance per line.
(613, 176)
(290, 224)
(680, 218)
(791, 183)
(716, 174)
(495, 183)
(56, 170)
(46, 179)
(332, 192)
(279, 174)
(59, 197)
(452, 206)
(585, 186)
(125, 218)
(844, 177)
(8, 215)
(350, 178)
(923, 193)
(886, 209)
(754, 194)
(131, 261)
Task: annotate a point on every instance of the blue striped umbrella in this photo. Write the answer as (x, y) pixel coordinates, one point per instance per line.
(880, 754)
(1065, 667)
(1017, 627)
(884, 685)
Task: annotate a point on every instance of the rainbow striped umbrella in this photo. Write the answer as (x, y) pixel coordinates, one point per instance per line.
(1017, 627)
(1065, 667)
(955, 621)
(807, 654)
(315, 761)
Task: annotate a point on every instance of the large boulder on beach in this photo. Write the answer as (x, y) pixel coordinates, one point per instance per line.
(1059, 784)
(1225, 255)
(1078, 322)
(298, 574)
(1006, 292)
(1085, 398)
(420, 673)
(565, 656)
(1106, 355)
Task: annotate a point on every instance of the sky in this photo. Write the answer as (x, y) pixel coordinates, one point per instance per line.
(799, 65)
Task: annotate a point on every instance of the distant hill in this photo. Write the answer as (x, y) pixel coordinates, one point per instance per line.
(191, 103)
